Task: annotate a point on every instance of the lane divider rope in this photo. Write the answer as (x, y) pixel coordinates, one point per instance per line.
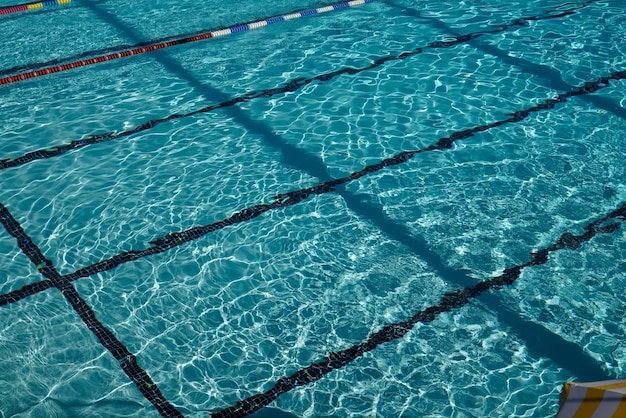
(31, 6)
(167, 44)
(557, 12)
(289, 87)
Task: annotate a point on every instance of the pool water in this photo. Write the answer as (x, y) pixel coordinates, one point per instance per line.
(283, 220)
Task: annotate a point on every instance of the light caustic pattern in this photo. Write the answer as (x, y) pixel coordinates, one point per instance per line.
(189, 39)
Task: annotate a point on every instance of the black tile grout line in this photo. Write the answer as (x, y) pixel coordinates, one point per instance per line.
(269, 137)
(282, 200)
(128, 361)
(120, 48)
(536, 337)
(577, 362)
(541, 71)
(583, 359)
(292, 86)
(450, 301)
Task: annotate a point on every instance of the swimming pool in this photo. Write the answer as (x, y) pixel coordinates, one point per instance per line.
(399, 208)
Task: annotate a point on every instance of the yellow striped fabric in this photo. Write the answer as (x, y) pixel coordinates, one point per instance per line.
(606, 399)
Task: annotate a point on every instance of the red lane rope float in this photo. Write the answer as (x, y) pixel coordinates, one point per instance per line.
(102, 58)
(161, 45)
(30, 6)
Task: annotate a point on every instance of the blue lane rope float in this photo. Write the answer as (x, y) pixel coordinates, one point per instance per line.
(333, 360)
(180, 41)
(291, 86)
(31, 6)
(550, 14)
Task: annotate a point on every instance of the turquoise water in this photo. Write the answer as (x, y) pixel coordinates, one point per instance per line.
(223, 317)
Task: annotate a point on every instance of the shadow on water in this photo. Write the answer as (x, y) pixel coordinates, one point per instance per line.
(539, 340)
(544, 73)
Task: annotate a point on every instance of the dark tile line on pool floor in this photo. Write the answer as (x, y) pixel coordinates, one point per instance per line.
(539, 340)
(282, 200)
(577, 362)
(124, 47)
(41, 283)
(541, 71)
(589, 87)
(292, 86)
(450, 301)
(128, 361)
